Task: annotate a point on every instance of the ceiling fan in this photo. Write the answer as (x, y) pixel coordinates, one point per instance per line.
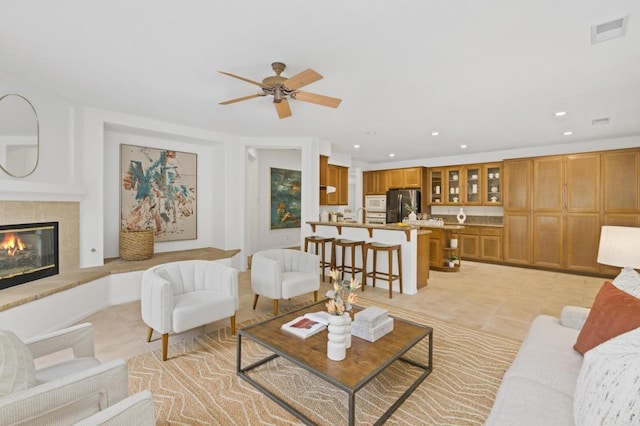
(282, 88)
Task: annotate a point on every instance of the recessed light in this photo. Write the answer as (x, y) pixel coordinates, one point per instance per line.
(392, 155)
(371, 133)
(463, 146)
(356, 146)
(435, 133)
(568, 133)
(560, 113)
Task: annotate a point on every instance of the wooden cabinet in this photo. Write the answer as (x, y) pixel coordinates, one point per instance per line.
(491, 244)
(517, 185)
(338, 177)
(473, 184)
(378, 182)
(435, 185)
(583, 183)
(481, 243)
(375, 182)
(517, 238)
(621, 181)
(454, 182)
(492, 187)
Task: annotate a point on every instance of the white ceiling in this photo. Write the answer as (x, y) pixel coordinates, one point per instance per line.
(486, 73)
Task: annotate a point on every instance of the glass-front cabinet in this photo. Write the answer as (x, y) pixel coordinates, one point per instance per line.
(455, 185)
(493, 184)
(436, 187)
(473, 177)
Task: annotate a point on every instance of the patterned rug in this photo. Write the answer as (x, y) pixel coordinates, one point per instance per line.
(198, 385)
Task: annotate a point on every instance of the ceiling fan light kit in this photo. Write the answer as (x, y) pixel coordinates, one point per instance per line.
(282, 88)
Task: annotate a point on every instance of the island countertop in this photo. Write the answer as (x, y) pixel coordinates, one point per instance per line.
(406, 228)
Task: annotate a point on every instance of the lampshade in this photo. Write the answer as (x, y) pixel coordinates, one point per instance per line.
(619, 246)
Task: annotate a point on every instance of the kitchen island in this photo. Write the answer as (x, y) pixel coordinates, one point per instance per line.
(414, 241)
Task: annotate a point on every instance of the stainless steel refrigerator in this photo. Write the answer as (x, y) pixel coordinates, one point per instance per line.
(397, 202)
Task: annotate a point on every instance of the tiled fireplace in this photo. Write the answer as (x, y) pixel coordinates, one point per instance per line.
(28, 252)
(33, 222)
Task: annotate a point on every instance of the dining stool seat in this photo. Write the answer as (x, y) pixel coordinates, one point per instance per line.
(387, 275)
(341, 265)
(319, 248)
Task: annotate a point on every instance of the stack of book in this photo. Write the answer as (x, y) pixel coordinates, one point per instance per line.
(371, 324)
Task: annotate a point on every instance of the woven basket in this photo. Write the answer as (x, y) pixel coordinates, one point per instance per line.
(136, 245)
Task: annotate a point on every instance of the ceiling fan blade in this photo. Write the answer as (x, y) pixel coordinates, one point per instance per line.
(302, 79)
(316, 99)
(244, 98)
(242, 78)
(283, 108)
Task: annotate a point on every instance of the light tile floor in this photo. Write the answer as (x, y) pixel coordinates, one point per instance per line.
(494, 298)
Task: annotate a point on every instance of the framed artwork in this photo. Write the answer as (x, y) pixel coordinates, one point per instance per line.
(158, 191)
(285, 198)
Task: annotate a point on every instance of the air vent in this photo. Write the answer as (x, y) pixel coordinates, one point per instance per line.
(609, 30)
(599, 121)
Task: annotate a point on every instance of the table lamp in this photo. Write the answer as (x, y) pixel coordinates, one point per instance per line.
(620, 246)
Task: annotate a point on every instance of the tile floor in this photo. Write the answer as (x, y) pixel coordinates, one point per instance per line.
(498, 299)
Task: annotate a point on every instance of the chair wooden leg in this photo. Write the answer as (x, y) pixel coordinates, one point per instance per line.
(315, 296)
(233, 324)
(255, 301)
(165, 345)
(149, 333)
(275, 307)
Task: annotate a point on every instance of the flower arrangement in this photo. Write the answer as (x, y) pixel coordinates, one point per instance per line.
(342, 295)
(411, 207)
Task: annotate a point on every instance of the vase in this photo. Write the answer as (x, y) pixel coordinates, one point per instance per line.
(336, 345)
(461, 216)
(347, 341)
(412, 216)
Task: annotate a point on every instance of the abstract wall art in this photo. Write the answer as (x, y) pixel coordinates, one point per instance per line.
(285, 198)
(158, 191)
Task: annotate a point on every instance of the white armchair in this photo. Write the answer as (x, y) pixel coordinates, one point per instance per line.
(283, 274)
(179, 296)
(60, 394)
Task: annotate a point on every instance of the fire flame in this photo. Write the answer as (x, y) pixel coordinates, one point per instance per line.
(12, 243)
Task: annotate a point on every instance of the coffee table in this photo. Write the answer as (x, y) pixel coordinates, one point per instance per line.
(364, 361)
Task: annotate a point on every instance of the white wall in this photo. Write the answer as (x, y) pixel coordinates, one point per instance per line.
(210, 178)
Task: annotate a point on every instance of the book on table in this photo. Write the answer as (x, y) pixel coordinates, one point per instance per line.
(307, 325)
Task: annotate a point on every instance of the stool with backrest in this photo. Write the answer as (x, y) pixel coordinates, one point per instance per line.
(319, 248)
(348, 245)
(388, 275)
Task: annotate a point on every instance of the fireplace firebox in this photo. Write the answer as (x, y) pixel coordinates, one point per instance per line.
(28, 252)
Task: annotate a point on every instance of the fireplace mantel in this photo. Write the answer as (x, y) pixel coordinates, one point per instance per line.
(11, 190)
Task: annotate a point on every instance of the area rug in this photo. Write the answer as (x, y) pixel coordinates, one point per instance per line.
(199, 385)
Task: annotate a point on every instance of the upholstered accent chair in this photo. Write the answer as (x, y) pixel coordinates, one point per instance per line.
(64, 392)
(179, 296)
(283, 274)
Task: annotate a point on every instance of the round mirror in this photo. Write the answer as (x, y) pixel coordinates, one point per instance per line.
(19, 136)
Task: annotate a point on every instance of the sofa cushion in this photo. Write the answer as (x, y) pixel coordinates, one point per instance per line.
(608, 386)
(613, 312)
(524, 402)
(17, 371)
(546, 356)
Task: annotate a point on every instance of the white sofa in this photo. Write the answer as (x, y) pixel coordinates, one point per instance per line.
(550, 383)
(539, 386)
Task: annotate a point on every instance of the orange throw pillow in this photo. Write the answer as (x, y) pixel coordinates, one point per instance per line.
(613, 312)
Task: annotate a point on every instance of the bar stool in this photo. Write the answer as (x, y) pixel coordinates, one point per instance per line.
(345, 244)
(388, 275)
(316, 241)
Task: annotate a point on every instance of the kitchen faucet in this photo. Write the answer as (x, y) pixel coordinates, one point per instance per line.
(364, 214)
